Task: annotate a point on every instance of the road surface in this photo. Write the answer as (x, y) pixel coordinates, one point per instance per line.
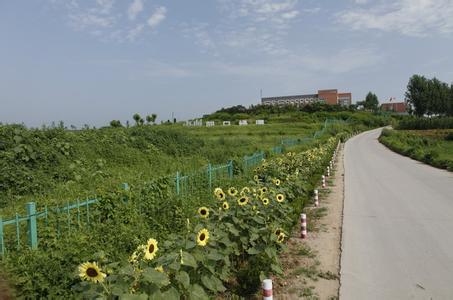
(397, 238)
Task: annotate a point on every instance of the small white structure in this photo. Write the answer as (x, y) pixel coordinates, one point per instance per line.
(210, 123)
(226, 123)
(243, 122)
(259, 122)
(198, 122)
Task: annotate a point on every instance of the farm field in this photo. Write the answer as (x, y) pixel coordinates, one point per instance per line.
(69, 165)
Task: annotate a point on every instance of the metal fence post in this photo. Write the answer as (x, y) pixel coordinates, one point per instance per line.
(32, 226)
(177, 183)
(2, 245)
(230, 169)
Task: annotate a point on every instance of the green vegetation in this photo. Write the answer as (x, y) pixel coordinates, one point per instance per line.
(371, 102)
(433, 147)
(429, 96)
(426, 123)
(54, 165)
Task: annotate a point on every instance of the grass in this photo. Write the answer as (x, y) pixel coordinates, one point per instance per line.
(429, 146)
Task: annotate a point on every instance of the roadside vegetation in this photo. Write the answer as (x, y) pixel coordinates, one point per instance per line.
(95, 257)
(434, 147)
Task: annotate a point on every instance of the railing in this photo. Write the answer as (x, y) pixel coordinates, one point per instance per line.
(73, 215)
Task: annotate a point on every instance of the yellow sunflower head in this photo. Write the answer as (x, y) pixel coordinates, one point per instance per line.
(150, 249)
(204, 212)
(243, 200)
(280, 197)
(265, 201)
(90, 271)
(159, 269)
(202, 237)
(281, 237)
(217, 190)
(277, 182)
(245, 190)
(221, 195)
(263, 190)
(225, 205)
(278, 231)
(232, 191)
(256, 178)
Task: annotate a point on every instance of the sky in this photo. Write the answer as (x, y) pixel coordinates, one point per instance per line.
(89, 62)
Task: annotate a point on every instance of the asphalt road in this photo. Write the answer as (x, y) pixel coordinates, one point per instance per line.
(397, 238)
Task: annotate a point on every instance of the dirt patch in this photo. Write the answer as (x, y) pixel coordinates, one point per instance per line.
(312, 266)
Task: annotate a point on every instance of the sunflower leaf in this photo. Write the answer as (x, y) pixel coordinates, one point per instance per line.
(134, 297)
(183, 278)
(208, 283)
(153, 276)
(197, 293)
(171, 294)
(188, 260)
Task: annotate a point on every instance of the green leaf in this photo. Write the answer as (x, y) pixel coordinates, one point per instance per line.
(253, 251)
(208, 283)
(214, 255)
(153, 276)
(171, 294)
(276, 268)
(197, 293)
(183, 278)
(188, 260)
(134, 297)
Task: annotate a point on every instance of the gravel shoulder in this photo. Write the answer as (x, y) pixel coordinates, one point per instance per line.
(312, 266)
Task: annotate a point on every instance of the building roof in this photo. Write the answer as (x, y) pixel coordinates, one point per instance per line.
(290, 97)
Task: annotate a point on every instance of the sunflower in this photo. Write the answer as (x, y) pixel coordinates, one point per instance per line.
(217, 190)
(245, 190)
(256, 178)
(265, 201)
(202, 237)
(225, 205)
(90, 271)
(221, 195)
(232, 191)
(280, 197)
(263, 190)
(151, 249)
(159, 269)
(243, 201)
(277, 182)
(278, 231)
(281, 237)
(204, 212)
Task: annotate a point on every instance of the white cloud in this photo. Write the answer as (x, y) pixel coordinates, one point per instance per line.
(408, 17)
(134, 9)
(135, 32)
(157, 17)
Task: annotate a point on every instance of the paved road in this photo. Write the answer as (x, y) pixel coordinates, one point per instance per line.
(398, 225)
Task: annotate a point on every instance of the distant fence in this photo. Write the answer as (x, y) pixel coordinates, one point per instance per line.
(77, 214)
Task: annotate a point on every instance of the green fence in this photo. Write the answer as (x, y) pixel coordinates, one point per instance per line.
(78, 214)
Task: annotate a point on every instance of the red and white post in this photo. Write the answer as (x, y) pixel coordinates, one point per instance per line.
(316, 198)
(267, 289)
(303, 226)
(323, 181)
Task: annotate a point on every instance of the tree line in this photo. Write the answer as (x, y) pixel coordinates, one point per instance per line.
(430, 97)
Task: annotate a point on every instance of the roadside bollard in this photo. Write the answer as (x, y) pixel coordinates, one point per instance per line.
(316, 198)
(267, 289)
(323, 181)
(303, 226)
(328, 171)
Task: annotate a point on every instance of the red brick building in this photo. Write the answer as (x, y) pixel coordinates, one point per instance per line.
(326, 96)
(398, 107)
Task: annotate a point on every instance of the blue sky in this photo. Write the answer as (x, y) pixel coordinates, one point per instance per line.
(94, 61)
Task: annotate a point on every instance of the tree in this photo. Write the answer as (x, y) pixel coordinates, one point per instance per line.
(141, 121)
(416, 94)
(136, 118)
(115, 123)
(149, 119)
(154, 117)
(371, 101)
